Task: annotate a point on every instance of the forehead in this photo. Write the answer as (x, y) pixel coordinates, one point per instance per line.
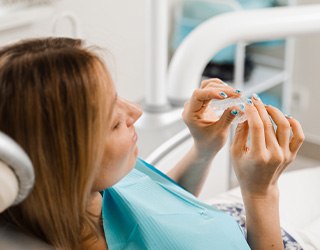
(104, 76)
(106, 89)
(111, 95)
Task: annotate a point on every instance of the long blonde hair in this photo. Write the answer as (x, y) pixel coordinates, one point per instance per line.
(54, 103)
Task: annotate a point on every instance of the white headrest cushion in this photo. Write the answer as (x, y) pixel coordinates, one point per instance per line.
(9, 186)
(12, 155)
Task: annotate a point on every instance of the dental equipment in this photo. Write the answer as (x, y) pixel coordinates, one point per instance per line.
(220, 105)
(172, 87)
(189, 60)
(156, 56)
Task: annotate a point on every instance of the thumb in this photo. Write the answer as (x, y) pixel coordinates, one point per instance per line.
(228, 116)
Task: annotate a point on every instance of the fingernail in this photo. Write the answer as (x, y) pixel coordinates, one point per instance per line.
(237, 91)
(268, 105)
(289, 116)
(234, 112)
(249, 101)
(255, 96)
(224, 95)
(241, 106)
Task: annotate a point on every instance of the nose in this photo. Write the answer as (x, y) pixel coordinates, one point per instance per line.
(134, 112)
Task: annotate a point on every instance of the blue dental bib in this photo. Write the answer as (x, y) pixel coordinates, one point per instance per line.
(147, 210)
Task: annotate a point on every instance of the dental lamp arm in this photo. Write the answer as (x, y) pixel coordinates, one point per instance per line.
(190, 59)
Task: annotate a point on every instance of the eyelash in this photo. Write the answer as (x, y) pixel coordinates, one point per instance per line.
(117, 125)
(119, 120)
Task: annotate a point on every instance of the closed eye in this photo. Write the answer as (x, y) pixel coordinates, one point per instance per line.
(116, 125)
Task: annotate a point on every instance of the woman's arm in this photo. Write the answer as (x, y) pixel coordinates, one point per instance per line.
(259, 165)
(208, 131)
(263, 222)
(191, 171)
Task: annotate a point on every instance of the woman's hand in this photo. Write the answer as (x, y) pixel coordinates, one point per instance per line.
(208, 131)
(259, 165)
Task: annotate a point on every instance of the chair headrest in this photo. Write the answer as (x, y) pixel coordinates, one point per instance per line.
(16, 173)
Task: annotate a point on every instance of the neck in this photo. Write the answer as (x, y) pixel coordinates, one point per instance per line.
(95, 205)
(94, 208)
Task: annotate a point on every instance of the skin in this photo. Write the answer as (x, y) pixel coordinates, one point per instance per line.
(208, 131)
(119, 159)
(257, 166)
(121, 150)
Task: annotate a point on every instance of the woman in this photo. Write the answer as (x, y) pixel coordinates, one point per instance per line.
(59, 103)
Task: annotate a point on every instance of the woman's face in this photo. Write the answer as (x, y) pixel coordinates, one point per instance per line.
(121, 151)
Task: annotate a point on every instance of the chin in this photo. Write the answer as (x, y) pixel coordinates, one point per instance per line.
(110, 177)
(107, 183)
(130, 166)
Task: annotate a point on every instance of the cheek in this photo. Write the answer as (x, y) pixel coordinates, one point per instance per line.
(108, 177)
(121, 151)
(119, 159)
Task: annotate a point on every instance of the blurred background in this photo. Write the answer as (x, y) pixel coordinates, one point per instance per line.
(119, 28)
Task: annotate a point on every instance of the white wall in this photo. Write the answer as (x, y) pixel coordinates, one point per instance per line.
(306, 80)
(117, 26)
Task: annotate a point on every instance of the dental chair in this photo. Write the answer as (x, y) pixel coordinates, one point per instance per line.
(16, 181)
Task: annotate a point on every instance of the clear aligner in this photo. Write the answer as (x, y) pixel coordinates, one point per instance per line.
(220, 105)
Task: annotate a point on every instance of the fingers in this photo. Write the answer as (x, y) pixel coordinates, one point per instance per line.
(212, 80)
(218, 84)
(283, 126)
(229, 115)
(201, 97)
(256, 128)
(297, 135)
(271, 140)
